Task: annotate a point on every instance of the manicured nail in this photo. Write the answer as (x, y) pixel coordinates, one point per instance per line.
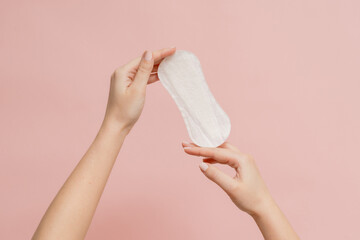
(186, 144)
(187, 147)
(148, 56)
(203, 166)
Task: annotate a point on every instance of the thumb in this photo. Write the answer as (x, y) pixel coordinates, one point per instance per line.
(224, 181)
(144, 70)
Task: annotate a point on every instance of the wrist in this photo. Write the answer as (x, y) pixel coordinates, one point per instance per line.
(115, 126)
(267, 208)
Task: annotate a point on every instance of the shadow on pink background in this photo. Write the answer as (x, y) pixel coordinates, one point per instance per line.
(286, 72)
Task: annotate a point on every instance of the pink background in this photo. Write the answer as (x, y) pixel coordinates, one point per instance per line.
(286, 72)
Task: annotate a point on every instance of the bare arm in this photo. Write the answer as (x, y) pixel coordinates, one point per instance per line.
(246, 189)
(70, 213)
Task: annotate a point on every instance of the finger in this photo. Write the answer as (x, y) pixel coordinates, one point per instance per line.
(188, 144)
(240, 155)
(224, 181)
(154, 76)
(220, 155)
(158, 56)
(163, 53)
(225, 145)
(229, 146)
(144, 70)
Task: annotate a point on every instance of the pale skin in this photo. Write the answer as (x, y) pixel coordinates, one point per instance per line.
(70, 213)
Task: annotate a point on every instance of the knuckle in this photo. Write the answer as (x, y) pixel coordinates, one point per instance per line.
(248, 158)
(214, 175)
(212, 151)
(138, 90)
(144, 68)
(233, 189)
(118, 72)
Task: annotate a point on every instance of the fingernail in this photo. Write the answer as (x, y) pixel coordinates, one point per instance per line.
(203, 166)
(187, 147)
(186, 144)
(148, 56)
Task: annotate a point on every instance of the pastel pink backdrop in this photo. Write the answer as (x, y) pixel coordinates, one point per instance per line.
(286, 72)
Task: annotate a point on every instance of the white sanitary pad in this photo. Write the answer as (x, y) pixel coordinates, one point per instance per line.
(206, 122)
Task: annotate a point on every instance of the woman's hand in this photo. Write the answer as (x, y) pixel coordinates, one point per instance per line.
(247, 188)
(128, 88)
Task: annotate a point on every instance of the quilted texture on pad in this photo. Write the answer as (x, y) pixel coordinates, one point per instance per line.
(206, 122)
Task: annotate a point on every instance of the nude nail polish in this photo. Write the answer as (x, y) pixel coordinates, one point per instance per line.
(203, 166)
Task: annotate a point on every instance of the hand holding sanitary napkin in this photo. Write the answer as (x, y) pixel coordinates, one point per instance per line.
(206, 122)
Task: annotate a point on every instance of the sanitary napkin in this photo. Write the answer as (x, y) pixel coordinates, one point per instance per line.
(206, 122)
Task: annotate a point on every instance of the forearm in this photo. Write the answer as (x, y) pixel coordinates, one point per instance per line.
(71, 212)
(273, 223)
